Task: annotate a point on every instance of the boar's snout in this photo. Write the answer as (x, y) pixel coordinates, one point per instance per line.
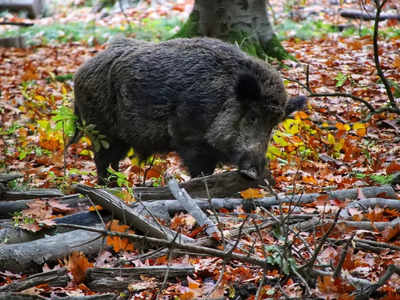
(252, 165)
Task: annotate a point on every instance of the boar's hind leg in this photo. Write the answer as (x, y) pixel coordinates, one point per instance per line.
(110, 156)
(200, 160)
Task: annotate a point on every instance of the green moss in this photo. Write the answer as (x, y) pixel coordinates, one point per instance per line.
(190, 28)
(276, 50)
(255, 48)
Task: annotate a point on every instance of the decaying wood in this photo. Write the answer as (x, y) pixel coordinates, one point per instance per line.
(192, 208)
(21, 296)
(365, 225)
(8, 208)
(161, 208)
(6, 177)
(364, 15)
(31, 194)
(111, 279)
(34, 8)
(178, 245)
(129, 216)
(18, 296)
(29, 257)
(53, 278)
(365, 204)
(227, 184)
(10, 234)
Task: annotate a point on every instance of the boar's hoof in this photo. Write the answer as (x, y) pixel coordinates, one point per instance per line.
(250, 173)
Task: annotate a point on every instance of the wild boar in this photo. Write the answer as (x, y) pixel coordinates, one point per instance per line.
(203, 98)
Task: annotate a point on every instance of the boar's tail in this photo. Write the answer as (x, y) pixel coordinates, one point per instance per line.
(78, 133)
(295, 104)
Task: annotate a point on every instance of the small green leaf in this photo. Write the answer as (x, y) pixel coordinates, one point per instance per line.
(340, 79)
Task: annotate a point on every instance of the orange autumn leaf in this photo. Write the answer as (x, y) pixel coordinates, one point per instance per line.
(375, 214)
(391, 232)
(309, 179)
(95, 208)
(192, 284)
(186, 296)
(77, 264)
(251, 194)
(393, 167)
(396, 62)
(117, 242)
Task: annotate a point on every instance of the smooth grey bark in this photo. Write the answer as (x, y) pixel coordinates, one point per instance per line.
(244, 22)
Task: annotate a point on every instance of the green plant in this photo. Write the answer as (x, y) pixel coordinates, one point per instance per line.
(98, 140)
(65, 120)
(19, 219)
(340, 79)
(377, 178)
(277, 258)
(121, 179)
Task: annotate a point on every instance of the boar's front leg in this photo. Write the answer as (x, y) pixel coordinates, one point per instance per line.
(110, 156)
(200, 160)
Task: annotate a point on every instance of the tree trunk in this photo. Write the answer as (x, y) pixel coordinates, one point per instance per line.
(244, 22)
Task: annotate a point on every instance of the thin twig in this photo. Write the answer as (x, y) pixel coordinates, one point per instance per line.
(183, 246)
(338, 270)
(170, 251)
(378, 67)
(317, 250)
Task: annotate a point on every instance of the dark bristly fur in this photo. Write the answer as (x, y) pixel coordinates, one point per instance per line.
(201, 97)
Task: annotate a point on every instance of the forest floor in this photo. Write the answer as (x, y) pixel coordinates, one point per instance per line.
(335, 144)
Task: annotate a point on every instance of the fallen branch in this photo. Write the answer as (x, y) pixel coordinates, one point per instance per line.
(225, 184)
(10, 234)
(365, 225)
(124, 213)
(23, 24)
(367, 16)
(53, 278)
(31, 194)
(106, 279)
(170, 207)
(8, 208)
(29, 257)
(365, 204)
(192, 208)
(188, 247)
(364, 293)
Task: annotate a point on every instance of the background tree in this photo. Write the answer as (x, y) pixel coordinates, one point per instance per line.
(244, 22)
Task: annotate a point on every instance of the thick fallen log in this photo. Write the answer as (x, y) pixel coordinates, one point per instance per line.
(126, 214)
(52, 278)
(10, 234)
(6, 177)
(112, 279)
(367, 16)
(34, 8)
(29, 257)
(162, 208)
(227, 184)
(31, 194)
(17, 296)
(8, 208)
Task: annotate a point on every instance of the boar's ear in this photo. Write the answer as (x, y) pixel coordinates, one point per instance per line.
(247, 87)
(295, 104)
